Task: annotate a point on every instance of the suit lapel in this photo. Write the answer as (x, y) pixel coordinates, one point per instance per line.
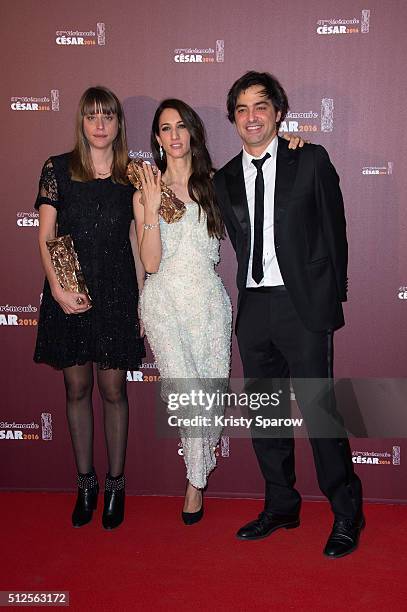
(286, 171)
(237, 192)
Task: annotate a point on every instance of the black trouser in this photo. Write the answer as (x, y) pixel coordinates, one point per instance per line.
(275, 344)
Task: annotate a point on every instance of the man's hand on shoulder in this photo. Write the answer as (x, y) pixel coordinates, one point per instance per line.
(295, 141)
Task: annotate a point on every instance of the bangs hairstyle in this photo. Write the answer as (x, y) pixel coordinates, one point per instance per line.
(99, 100)
(273, 90)
(200, 184)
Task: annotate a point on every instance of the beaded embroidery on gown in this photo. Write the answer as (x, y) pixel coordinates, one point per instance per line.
(187, 316)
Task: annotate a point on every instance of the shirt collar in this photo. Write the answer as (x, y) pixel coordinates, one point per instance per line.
(247, 158)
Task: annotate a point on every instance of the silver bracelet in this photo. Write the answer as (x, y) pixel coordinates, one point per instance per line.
(151, 225)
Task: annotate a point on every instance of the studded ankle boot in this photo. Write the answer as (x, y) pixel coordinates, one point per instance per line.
(113, 512)
(86, 502)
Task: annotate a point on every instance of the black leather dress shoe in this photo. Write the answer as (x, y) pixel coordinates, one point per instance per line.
(265, 524)
(113, 511)
(86, 502)
(344, 537)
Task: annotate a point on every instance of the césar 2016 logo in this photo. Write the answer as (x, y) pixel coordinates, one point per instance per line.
(31, 103)
(8, 315)
(201, 56)
(76, 37)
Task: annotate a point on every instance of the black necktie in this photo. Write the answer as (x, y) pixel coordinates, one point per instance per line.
(257, 264)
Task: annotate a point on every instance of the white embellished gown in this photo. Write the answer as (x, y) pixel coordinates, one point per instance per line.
(187, 317)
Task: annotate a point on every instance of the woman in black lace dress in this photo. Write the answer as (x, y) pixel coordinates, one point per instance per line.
(86, 194)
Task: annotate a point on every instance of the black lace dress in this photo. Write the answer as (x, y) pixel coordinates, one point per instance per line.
(97, 214)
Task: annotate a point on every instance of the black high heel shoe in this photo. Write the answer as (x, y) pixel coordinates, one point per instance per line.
(113, 512)
(190, 518)
(86, 502)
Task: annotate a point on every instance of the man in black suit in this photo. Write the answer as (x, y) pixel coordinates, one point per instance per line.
(284, 214)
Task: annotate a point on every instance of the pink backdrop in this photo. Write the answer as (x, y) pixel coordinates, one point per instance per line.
(343, 69)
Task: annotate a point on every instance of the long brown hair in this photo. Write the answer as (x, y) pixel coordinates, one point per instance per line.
(200, 184)
(106, 102)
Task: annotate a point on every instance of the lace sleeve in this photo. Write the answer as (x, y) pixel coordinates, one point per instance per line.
(48, 188)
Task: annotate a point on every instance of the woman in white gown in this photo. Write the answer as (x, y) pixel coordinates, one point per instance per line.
(184, 305)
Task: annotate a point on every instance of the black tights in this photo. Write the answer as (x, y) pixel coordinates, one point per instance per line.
(112, 388)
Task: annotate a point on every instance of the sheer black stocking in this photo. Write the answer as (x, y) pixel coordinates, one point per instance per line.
(112, 388)
(78, 385)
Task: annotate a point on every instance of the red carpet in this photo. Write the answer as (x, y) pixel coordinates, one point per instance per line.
(154, 562)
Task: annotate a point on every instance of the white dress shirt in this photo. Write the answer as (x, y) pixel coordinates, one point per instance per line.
(272, 274)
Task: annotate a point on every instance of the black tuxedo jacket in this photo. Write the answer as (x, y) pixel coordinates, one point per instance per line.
(309, 230)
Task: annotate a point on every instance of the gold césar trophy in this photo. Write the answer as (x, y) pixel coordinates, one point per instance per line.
(171, 209)
(66, 265)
